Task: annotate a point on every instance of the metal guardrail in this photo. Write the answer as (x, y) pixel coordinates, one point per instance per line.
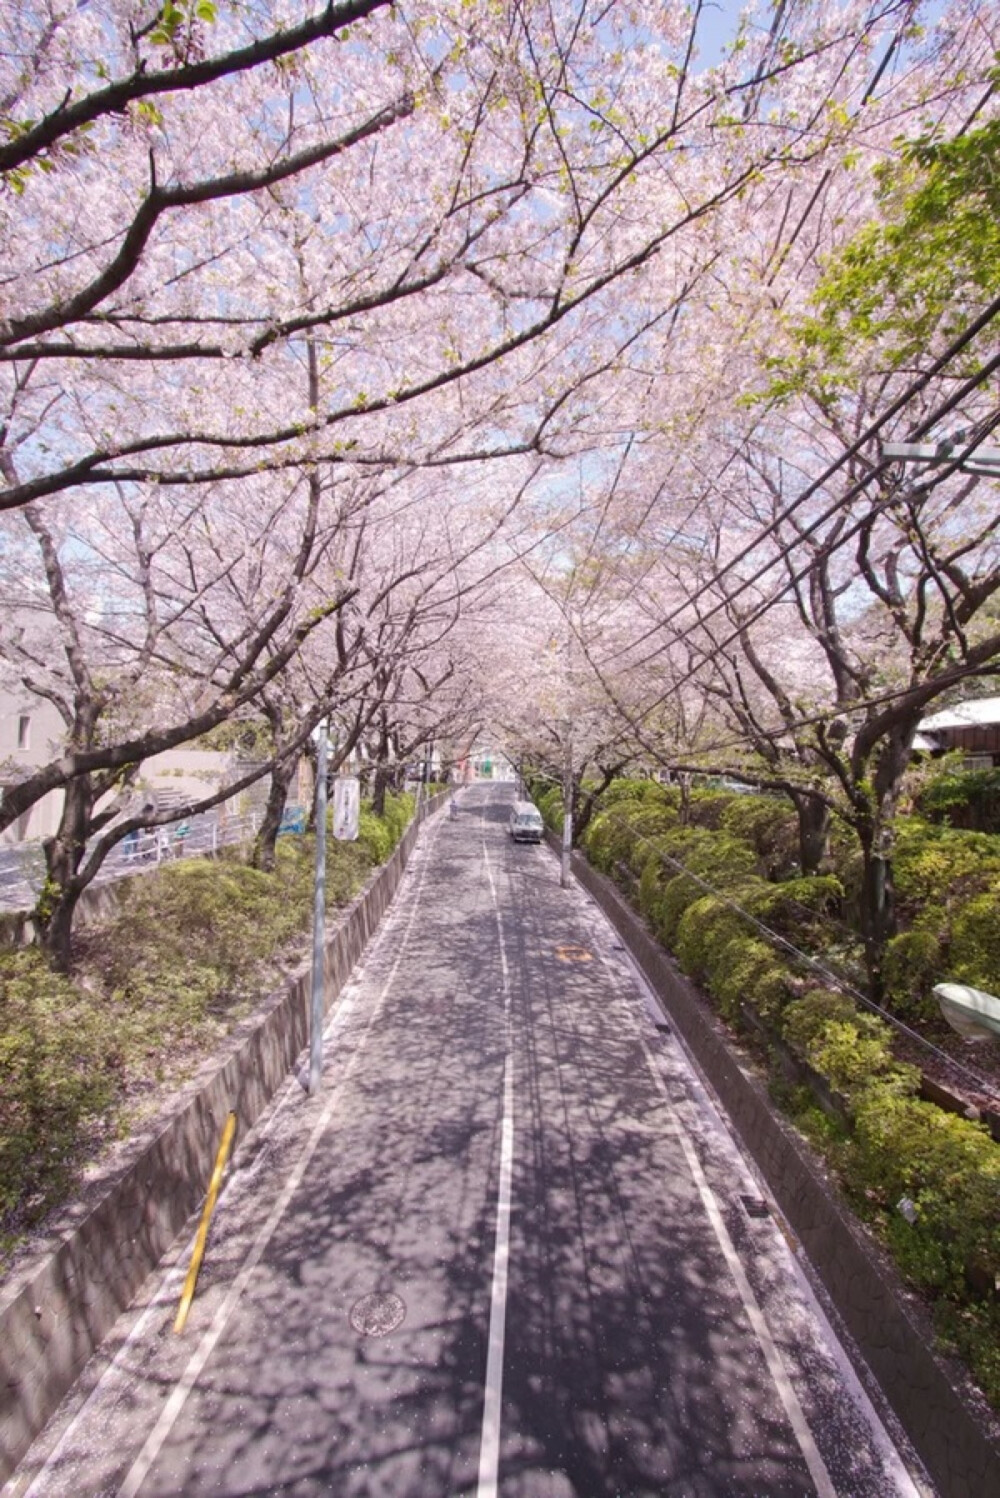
(22, 866)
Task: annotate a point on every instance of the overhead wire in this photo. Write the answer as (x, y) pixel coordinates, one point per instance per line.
(828, 974)
(785, 552)
(855, 450)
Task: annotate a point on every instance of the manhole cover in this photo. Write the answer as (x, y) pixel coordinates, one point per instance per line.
(574, 954)
(377, 1315)
(755, 1206)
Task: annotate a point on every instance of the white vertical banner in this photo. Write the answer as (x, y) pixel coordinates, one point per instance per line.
(346, 808)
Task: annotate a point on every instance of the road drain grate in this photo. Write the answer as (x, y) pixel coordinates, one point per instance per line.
(755, 1206)
(377, 1315)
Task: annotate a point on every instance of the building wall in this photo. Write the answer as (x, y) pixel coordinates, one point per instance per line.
(31, 733)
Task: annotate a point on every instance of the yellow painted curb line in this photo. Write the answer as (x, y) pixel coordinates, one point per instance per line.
(225, 1144)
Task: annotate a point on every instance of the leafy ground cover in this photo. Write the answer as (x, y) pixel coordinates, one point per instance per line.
(191, 949)
(718, 883)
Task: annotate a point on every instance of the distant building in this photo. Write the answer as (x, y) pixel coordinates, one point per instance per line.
(31, 734)
(490, 764)
(973, 727)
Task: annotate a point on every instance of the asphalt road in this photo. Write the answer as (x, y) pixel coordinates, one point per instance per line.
(503, 1252)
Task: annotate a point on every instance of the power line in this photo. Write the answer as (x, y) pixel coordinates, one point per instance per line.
(829, 976)
(872, 431)
(784, 553)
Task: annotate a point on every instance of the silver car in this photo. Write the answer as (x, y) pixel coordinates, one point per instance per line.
(526, 825)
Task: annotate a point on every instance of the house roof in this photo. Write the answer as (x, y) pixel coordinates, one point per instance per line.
(978, 713)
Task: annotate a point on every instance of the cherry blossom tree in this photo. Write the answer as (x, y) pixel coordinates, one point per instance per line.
(483, 184)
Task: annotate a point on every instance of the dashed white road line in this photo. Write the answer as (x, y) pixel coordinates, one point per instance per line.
(140, 1468)
(489, 1446)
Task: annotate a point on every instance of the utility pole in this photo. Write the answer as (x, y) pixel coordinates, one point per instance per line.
(567, 837)
(425, 775)
(319, 916)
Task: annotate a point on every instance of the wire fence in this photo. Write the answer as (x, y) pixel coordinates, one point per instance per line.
(823, 970)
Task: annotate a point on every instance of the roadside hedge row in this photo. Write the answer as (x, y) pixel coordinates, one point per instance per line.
(928, 1182)
(190, 950)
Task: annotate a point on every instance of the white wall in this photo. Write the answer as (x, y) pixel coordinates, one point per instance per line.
(31, 734)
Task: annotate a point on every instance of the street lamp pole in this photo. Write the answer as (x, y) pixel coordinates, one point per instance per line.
(319, 917)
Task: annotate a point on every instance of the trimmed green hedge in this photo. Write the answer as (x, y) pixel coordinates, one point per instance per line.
(190, 949)
(620, 834)
(948, 888)
(885, 1144)
(770, 827)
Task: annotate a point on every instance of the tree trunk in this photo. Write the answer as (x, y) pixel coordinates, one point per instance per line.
(309, 753)
(64, 852)
(383, 778)
(267, 836)
(876, 832)
(878, 909)
(814, 827)
(383, 773)
(584, 803)
(684, 814)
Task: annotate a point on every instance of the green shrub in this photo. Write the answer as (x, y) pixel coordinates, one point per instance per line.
(665, 891)
(914, 961)
(652, 887)
(375, 835)
(648, 791)
(704, 929)
(804, 911)
(707, 808)
(974, 955)
(620, 835)
(399, 809)
(721, 861)
(770, 827)
(852, 1050)
(942, 865)
(749, 971)
(949, 1168)
(550, 804)
(59, 1059)
(963, 798)
(973, 1329)
(675, 898)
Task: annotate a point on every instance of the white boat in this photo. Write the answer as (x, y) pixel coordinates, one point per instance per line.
(970, 1011)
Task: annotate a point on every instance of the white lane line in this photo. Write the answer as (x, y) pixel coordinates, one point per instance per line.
(905, 1484)
(772, 1356)
(117, 1372)
(489, 1446)
(140, 1468)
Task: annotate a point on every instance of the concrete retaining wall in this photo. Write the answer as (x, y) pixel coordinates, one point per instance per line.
(958, 1444)
(54, 1313)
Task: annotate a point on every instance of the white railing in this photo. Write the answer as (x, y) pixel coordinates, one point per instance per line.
(22, 866)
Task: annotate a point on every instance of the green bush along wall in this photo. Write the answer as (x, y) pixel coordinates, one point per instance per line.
(887, 1146)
